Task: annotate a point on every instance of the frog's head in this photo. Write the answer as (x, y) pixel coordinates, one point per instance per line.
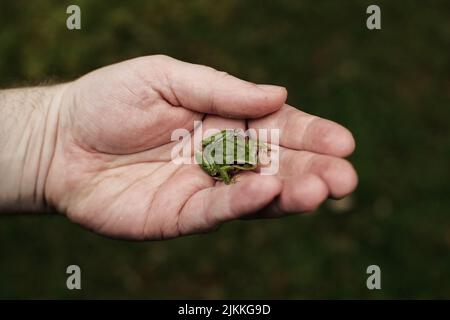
(206, 165)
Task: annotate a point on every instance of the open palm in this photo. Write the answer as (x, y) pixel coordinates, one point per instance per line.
(112, 170)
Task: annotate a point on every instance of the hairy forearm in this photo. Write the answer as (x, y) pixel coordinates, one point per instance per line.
(28, 128)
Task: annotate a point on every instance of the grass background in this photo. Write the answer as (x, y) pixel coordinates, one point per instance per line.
(391, 87)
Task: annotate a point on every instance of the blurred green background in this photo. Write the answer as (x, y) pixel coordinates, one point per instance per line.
(391, 87)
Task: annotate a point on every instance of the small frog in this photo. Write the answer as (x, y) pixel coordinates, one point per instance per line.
(226, 153)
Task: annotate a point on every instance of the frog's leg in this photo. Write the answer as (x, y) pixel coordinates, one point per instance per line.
(223, 172)
(209, 168)
(245, 167)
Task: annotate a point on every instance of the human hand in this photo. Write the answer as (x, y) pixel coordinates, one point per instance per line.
(111, 169)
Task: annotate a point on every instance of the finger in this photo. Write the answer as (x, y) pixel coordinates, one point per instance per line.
(301, 194)
(338, 174)
(213, 124)
(210, 207)
(171, 198)
(302, 131)
(207, 90)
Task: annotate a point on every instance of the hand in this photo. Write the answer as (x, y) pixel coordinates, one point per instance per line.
(112, 172)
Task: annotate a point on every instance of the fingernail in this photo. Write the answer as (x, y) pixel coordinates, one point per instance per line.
(272, 89)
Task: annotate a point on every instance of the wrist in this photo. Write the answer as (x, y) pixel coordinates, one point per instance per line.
(29, 119)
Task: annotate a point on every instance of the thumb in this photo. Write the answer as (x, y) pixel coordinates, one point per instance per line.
(213, 206)
(207, 90)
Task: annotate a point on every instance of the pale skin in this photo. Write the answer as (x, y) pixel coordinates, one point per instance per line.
(98, 151)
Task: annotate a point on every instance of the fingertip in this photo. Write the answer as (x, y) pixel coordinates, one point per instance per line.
(329, 137)
(350, 181)
(346, 145)
(258, 100)
(276, 91)
(342, 178)
(255, 192)
(259, 184)
(272, 99)
(303, 194)
(314, 191)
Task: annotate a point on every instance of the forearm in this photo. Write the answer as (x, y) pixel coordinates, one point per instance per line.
(28, 128)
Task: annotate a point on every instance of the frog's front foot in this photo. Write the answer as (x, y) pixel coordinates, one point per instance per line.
(223, 172)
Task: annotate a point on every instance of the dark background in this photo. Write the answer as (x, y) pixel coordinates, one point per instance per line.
(391, 87)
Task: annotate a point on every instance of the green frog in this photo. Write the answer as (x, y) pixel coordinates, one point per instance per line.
(226, 153)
